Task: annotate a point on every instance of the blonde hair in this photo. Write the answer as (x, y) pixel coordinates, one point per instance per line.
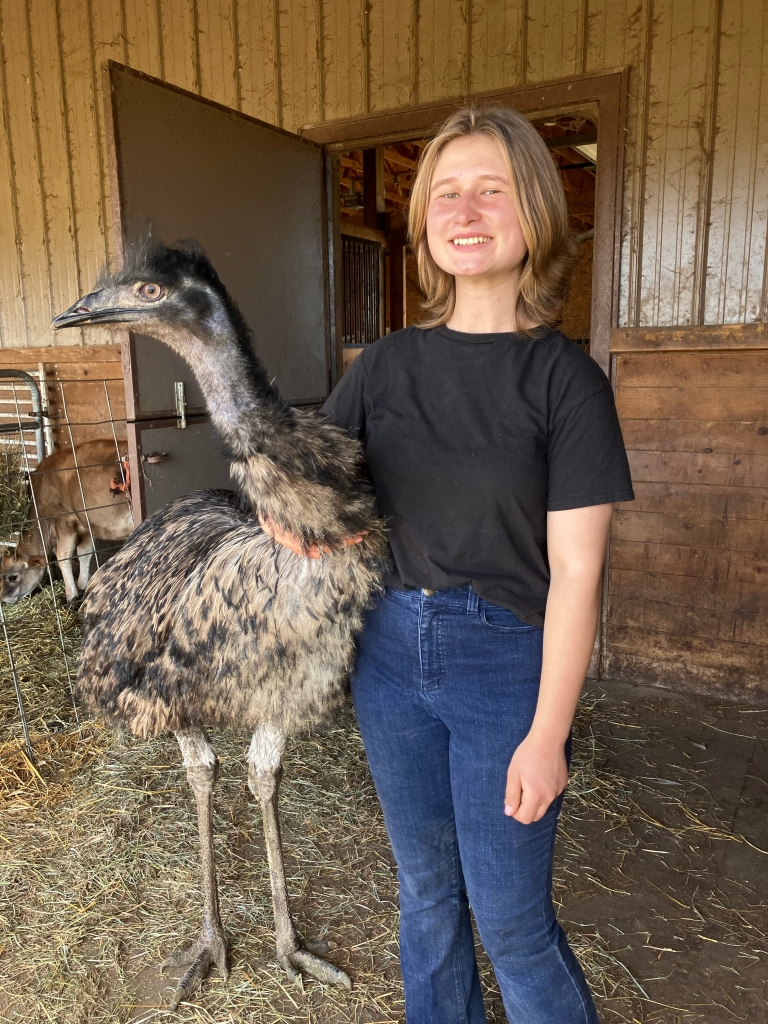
(541, 207)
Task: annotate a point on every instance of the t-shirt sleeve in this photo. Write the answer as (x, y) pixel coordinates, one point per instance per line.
(587, 461)
(345, 406)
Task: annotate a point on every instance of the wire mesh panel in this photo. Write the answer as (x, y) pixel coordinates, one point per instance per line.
(61, 516)
(362, 290)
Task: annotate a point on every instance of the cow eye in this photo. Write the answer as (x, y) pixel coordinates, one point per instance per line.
(13, 578)
(152, 292)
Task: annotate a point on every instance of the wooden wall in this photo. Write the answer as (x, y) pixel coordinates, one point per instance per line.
(83, 386)
(696, 188)
(688, 568)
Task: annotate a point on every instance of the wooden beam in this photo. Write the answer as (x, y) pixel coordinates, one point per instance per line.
(664, 339)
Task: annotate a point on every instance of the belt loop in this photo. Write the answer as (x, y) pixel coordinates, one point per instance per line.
(472, 601)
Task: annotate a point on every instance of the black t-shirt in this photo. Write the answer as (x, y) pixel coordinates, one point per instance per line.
(471, 439)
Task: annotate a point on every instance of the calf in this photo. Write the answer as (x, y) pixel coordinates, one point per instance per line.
(61, 524)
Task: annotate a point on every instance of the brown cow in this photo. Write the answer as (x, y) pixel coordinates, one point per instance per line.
(61, 527)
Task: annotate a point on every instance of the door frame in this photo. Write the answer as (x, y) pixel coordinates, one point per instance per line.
(602, 95)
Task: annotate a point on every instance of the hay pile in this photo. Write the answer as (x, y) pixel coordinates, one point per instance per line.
(14, 497)
(99, 877)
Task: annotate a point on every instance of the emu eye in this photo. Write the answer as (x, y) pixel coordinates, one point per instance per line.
(151, 292)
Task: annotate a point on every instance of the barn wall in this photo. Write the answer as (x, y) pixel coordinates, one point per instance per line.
(696, 189)
(688, 567)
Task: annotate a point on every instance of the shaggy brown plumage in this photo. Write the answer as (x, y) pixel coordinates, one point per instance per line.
(202, 619)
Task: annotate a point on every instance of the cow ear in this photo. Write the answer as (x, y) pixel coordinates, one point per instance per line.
(36, 560)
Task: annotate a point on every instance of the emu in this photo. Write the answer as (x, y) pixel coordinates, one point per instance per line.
(202, 619)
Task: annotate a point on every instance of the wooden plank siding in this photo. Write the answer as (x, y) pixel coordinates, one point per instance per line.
(84, 387)
(695, 197)
(688, 565)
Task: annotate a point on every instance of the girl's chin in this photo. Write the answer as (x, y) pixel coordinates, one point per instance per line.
(481, 271)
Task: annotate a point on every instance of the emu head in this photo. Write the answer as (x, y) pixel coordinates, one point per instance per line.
(169, 292)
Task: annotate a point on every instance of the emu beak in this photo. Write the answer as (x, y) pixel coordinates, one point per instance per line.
(86, 311)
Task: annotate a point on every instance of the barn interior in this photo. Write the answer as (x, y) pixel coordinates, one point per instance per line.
(380, 286)
(662, 836)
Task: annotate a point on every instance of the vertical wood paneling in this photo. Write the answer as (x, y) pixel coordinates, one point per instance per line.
(86, 148)
(392, 53)
(695, 198)
(178, 23)
(679, 109)
(144, 37)
(13, 329)
(55, 182)
(739, 205)
(257, 56)
(108, 42)
(345, 58)
(216, 43)
(620, 33)
(554, 39)
(442, 49)
(299, 62)
(496, 33)
(34, 278)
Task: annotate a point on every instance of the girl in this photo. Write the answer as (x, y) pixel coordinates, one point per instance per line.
(496, 454)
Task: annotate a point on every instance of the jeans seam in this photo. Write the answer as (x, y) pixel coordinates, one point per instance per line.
(457, 973)
(569, 976)
(573, 982)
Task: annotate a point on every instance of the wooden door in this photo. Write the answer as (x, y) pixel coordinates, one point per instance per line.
(253, 196)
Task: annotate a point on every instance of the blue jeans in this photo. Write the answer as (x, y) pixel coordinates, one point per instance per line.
(445, 688)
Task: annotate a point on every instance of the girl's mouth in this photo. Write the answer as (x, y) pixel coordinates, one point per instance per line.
(471, 240)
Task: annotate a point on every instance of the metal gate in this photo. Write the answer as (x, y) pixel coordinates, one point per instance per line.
(362, 290)
(45, 444)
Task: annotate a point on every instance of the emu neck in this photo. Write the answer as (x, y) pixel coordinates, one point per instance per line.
(244, 407)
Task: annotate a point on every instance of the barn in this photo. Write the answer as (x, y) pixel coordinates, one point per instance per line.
(284, 137)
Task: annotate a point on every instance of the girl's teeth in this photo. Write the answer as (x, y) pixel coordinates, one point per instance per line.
(471, 241)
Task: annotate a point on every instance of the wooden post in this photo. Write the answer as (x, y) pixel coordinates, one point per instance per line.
(397, 280)
(370, 213)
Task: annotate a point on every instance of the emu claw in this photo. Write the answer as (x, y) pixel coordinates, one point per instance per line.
(199, 957)
(300, 960)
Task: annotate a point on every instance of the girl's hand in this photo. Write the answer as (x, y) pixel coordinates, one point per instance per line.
(294, 544)
(537, 775)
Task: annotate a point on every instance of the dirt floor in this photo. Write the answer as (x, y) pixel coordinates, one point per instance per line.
(660, 872)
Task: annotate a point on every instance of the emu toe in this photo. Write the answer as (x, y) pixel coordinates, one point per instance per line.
(200, 956)
(300, 961)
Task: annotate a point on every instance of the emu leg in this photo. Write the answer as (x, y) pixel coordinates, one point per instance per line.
(264, 758)
(211, 945)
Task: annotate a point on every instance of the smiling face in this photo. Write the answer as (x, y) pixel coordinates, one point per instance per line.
(473, 229)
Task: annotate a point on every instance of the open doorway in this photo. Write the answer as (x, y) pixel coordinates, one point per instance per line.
(380, 288)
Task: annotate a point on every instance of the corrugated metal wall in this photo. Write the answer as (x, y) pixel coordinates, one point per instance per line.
(696, 190)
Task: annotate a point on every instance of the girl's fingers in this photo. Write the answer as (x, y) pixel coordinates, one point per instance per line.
(513, 795)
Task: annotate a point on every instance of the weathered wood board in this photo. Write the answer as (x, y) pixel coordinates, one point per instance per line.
(688, 574)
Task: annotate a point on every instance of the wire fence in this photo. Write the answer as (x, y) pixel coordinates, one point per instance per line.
(64, 509)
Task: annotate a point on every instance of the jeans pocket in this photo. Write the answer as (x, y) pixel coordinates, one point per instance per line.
(502, 619)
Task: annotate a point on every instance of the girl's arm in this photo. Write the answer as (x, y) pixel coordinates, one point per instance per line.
(576, 545)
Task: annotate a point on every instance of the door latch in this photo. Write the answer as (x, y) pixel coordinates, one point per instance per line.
(181, 405)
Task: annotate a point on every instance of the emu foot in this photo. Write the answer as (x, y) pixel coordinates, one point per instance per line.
(303, 959)
(210, 948)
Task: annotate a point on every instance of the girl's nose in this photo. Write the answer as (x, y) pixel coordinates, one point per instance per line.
(466, 210)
